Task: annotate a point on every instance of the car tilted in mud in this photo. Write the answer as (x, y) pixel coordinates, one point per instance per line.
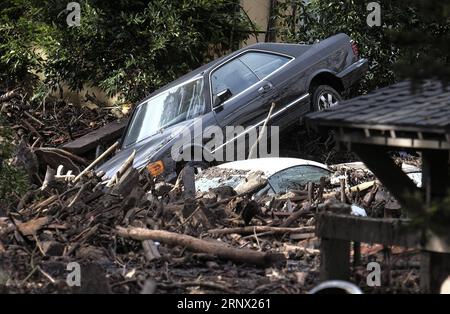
(240, 89)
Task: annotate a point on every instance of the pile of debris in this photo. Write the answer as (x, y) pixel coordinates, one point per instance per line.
(132, 233)
(54, 121)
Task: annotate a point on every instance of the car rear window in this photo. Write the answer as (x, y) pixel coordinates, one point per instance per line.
(263, 64)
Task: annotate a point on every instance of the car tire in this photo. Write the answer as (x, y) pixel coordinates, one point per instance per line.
(325, 97)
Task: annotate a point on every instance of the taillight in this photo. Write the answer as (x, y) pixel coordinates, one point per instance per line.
(354, 48)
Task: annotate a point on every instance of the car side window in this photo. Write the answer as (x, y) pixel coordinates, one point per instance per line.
(296, 177)
(234, 75)
(263, 64)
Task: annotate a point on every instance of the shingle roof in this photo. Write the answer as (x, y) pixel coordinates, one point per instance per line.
(396, 105)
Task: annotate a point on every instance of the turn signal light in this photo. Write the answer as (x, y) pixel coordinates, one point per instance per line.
(156, 168)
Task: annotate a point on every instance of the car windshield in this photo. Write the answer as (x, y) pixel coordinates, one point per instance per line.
(177, 104)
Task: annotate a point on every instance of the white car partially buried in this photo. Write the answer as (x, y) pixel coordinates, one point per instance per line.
(282, 174)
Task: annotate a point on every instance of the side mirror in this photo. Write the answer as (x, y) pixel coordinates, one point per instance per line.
(221, 97)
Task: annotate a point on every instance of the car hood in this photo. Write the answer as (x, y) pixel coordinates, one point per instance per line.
(145, 149)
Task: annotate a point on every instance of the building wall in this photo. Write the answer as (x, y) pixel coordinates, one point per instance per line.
(258, 11)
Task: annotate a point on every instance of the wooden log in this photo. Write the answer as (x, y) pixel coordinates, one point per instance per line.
(296, 215)
(259, 229)
(150, 250)
(201, 246)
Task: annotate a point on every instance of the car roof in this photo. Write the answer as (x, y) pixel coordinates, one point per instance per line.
(293, 50)
(270, 165)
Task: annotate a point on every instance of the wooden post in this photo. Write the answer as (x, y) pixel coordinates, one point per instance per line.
(334, 259)
(392, 176)
(356, 254)
(435, 267)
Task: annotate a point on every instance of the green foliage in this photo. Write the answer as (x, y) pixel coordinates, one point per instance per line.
(425, 42)
(434, 217)
(19, 60)
(412, 39)
(128, 47)
(13, 181)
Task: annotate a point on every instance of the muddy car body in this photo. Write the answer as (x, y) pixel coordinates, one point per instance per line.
(238, 90)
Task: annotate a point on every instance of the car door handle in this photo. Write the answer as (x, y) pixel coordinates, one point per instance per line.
(265, 88)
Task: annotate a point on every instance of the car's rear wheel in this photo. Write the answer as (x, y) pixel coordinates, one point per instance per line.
(325, 97)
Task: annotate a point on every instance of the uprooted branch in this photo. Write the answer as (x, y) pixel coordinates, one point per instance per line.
(201, 246)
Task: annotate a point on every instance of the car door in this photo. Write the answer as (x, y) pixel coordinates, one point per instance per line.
(248, 95)
(252, 93)
(279, 69)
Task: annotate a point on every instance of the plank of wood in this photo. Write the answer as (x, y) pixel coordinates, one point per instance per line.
(387, 231)
(88, 142)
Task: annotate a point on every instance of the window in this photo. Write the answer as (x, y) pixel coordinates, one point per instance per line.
(177, 104)
(296, 177)
(234, 75)
(263, 64)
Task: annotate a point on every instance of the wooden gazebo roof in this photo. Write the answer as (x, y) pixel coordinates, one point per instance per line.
(395, 116)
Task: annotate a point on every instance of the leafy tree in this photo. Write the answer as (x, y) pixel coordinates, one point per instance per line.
(19, 59)
(411, 42)
(129, 47)
(13, 181)
(426, 42)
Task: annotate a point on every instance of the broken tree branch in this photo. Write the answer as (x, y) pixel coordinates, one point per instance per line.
(66, 153)
(306, 209)
(201, 246)
(125, 166)
(96, 161)
(8, 95)
(262, 131)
